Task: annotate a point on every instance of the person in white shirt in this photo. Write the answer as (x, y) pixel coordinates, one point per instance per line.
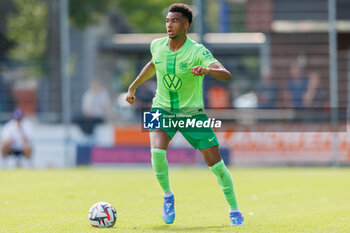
(96, 108)
(16, 136)
(96, 101)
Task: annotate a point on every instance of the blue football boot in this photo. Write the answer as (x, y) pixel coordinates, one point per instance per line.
(168, 213)
(236, 218)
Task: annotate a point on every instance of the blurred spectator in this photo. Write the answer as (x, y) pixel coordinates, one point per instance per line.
(296, 86)
(315, 95)
(218, 97)
(96, 107)
(96, 101)
(267, 91)
(16, 136)
(247, 100)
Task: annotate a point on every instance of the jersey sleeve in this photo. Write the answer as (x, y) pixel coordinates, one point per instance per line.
(205, 57)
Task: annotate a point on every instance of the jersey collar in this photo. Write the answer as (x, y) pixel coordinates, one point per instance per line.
(181, 48)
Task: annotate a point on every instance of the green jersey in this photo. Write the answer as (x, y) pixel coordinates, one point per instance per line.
(178, 91)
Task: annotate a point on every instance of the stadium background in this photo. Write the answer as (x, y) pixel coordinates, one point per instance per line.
(46, 67)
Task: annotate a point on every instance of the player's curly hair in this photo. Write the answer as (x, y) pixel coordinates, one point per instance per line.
(184, 9)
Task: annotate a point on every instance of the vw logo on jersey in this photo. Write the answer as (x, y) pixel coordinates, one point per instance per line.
(172, 82)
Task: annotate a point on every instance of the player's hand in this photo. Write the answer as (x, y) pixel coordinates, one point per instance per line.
(199, 71)
(130, 96)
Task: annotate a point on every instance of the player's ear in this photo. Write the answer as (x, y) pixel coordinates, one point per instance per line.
(187, 25)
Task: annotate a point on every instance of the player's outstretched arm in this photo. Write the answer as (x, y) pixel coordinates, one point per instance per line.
(146, 73)
(215, 69)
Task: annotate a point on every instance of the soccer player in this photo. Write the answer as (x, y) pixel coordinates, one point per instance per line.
(180, 65)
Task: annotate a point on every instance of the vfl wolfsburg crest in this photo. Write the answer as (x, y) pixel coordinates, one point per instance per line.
(172, 82)
(183, 65)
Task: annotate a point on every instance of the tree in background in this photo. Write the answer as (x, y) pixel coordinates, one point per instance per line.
(143, 16)
(88, 12)
(27, 29)
(147, 16)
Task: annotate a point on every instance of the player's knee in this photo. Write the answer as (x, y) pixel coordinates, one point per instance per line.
(214, 160)
(27, 152)
(159, 140)
(159, 145)
(3, 154)
(4, 151)
(211, 155)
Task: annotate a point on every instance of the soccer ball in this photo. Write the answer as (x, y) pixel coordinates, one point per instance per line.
(102, 214)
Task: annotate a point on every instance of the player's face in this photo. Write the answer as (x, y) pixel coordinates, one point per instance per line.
(176, 25)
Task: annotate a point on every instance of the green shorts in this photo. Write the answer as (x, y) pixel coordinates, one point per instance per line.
(199, 138)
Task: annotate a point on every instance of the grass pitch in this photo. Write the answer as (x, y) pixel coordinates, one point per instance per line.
(272, 200)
